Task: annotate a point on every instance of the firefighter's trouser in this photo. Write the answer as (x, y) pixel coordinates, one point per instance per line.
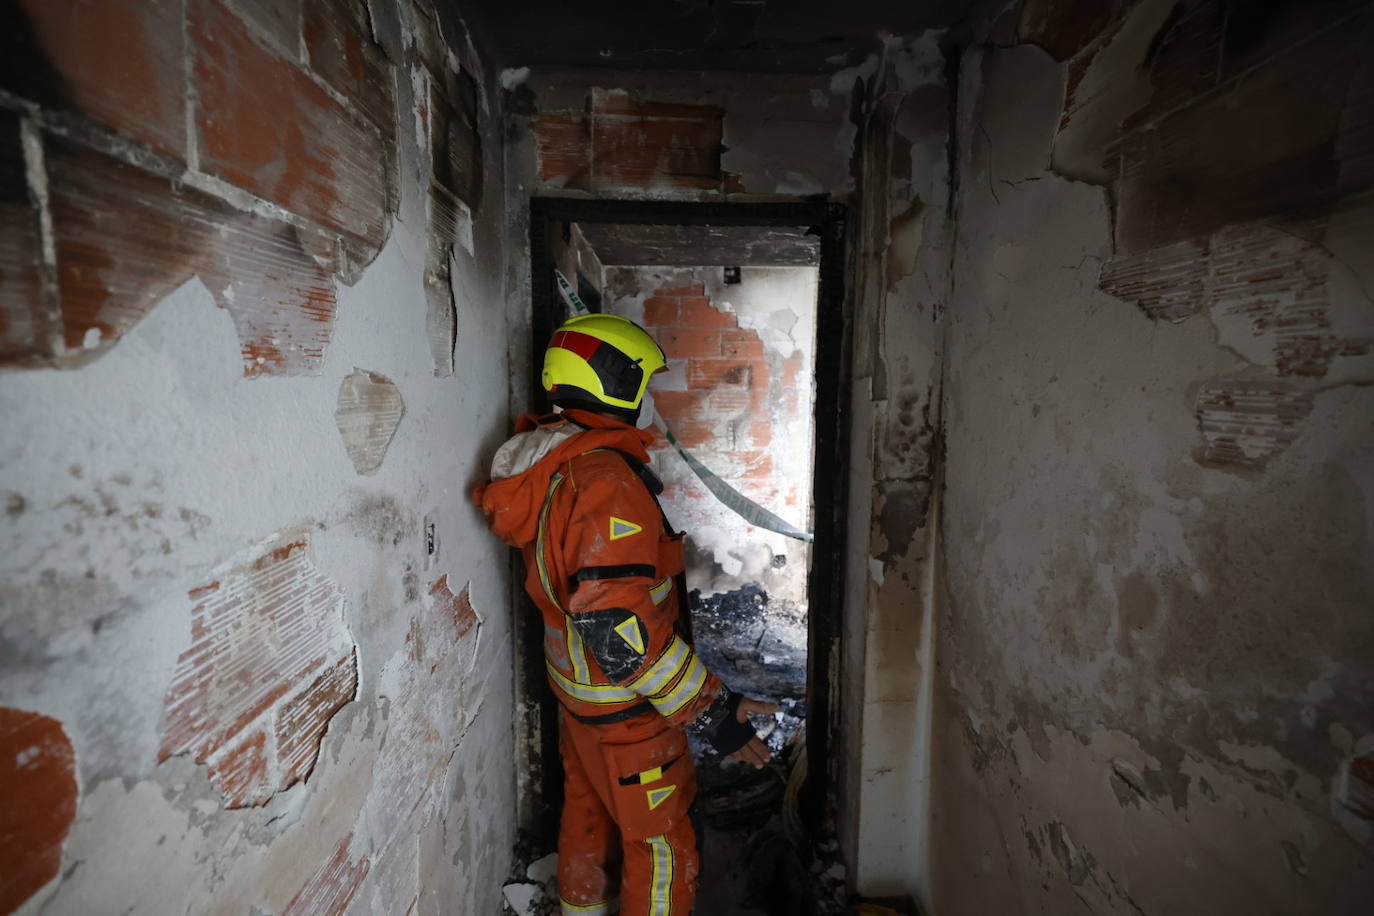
(625, 831)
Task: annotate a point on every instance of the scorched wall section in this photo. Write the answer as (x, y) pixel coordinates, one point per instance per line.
(1155, 656)
(253, 638)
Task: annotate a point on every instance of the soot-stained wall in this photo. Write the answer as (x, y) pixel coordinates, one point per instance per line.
(1155, 641)
(900, 240)
(254, 639)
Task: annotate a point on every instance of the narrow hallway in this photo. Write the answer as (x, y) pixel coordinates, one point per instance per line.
(1018, 414)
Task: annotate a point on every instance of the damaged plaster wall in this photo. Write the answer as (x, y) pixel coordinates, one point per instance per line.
(1155, 640)
(900, 242)
(253, 639)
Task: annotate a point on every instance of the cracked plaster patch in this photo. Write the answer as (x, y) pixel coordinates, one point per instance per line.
(369, 411)
(270, 663)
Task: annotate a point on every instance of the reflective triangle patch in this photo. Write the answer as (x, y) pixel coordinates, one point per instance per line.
(629, 631)
(623, 529)
(659, 796)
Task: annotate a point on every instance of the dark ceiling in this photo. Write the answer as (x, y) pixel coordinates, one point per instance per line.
(701, 246)
(760, 36)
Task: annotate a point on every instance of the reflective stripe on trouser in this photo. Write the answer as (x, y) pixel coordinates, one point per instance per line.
(660, 874)
(652, 877)
(592, 909)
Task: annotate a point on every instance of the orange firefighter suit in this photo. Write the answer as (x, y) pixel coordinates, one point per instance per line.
(571, 490)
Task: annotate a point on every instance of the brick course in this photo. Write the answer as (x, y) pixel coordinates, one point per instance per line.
(269, 664)
(264, 124)
(621, 142)
(724, 415)
(120, 65)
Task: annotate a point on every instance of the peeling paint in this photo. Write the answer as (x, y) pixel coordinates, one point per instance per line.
(269, 654)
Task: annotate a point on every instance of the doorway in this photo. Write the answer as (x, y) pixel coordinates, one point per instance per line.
(749, 302)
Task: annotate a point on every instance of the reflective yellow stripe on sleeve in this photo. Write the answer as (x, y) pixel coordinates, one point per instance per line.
(577, 653)
(589, 693)
(542, 539)
(661, 591)
(686, 690)
(662, 672)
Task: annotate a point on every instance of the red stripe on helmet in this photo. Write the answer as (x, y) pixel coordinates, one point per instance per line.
(584, 345)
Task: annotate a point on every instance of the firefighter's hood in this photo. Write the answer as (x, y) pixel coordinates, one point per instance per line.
(522, 468)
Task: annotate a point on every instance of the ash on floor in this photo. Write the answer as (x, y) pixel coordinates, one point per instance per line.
(754, 643)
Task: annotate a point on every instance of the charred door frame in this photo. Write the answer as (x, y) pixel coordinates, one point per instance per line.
(825, 582)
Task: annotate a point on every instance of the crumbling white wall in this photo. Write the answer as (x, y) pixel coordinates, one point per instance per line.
(159, 486)
(1155, 653)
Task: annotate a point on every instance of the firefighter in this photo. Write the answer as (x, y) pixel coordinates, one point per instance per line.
(572, 490)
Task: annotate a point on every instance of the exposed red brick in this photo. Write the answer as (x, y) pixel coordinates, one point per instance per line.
(267, 645)
(455, 142)
(332, 888)
(1167, 283)
(1246, 423)
(1260, 146)
(240, 773)
(1275, 282)
(733, 401)
(279, 20)
(693, 433)
(126, 238)
(619, 102)
(37, 802)
(301, 720)
(697, 312)
(741, 344)
(264, 124)
(694, 289)
(755, 465)
(645, 144)
(457, 607)
(282, 301)
(120, 63)
(677, 405)
(761, 433)
(714, 373)
(661, 312)
(694, 343)
(657, 440)
(26, 332)
(339, 48)
(564, 144)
